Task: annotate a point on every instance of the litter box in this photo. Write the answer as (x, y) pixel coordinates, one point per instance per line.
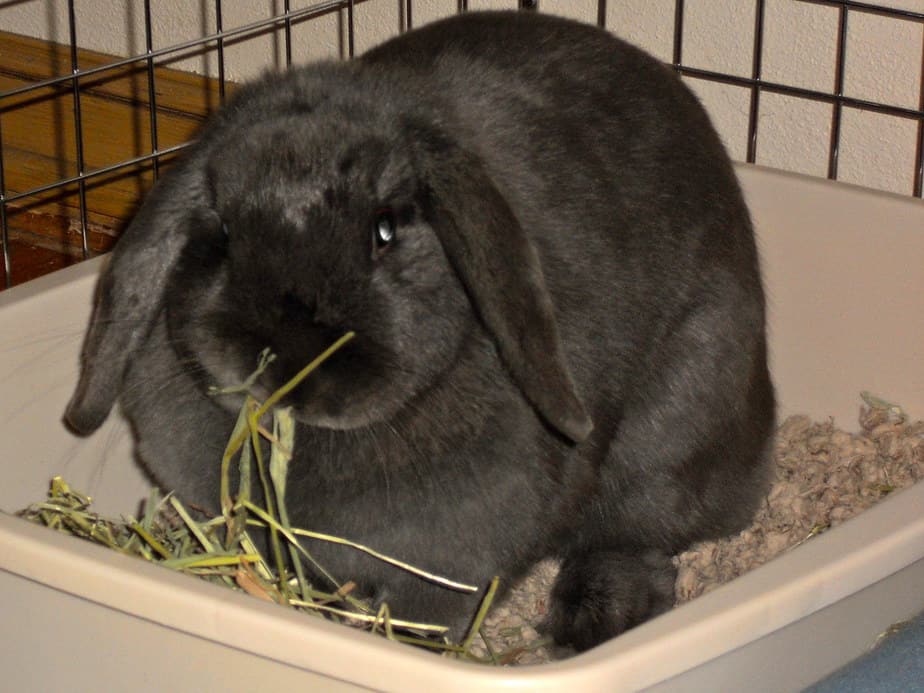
(845, 278)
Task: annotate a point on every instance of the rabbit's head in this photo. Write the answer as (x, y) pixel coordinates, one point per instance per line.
(287, 230)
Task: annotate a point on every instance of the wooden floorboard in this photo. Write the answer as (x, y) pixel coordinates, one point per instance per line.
(31, 261)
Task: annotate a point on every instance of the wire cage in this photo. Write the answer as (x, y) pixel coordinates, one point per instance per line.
(84, 133)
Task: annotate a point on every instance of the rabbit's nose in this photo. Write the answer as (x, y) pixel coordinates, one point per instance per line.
(314, 309)
(326, 312)
(295, 305)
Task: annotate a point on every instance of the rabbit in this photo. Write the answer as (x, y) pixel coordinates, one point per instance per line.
(560, 352)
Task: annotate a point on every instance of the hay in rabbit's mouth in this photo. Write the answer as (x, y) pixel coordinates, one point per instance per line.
(220, 549)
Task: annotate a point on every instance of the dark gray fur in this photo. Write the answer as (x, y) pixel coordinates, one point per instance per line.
(572, 248)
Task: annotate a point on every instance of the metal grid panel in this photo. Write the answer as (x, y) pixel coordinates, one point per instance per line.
(74, 82)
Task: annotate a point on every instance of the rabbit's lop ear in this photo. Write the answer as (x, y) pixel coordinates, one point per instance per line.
(500, 269)
(129, 296)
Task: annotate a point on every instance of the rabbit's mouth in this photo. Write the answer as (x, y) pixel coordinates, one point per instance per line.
(310, 405)
(340, 422)
(340, 402)
(347, 391)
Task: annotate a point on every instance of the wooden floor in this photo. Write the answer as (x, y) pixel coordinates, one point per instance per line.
(39, 147)
(31, 261)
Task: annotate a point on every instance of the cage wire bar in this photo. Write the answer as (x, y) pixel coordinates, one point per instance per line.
(755, 83)
(152, 90)
(78, 130)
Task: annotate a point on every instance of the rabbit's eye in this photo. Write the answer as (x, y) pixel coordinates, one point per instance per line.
(384, 229)
(224, 229)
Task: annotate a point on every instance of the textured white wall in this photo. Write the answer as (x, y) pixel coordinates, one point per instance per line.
(884, 60)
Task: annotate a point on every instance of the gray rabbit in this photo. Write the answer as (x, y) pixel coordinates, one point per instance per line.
(541, 245)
